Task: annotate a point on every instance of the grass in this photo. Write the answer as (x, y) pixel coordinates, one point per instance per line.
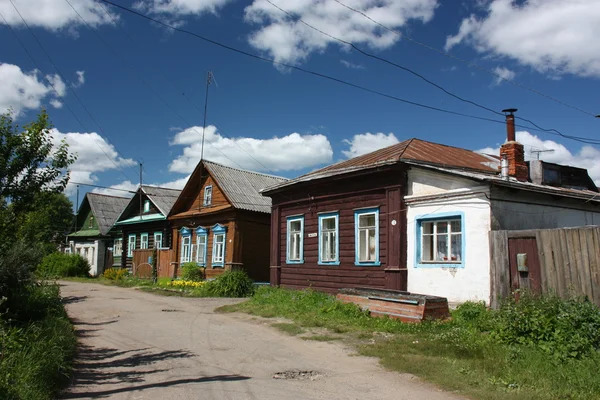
(459, 355)
(322, 338)
(290, 329)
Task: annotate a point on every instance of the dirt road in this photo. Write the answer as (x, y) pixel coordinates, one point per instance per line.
(136, 345)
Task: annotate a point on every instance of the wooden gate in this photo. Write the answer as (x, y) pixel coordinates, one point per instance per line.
(524, 264)
(142, 263)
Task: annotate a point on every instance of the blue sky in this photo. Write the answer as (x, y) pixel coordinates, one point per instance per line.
(144, 85)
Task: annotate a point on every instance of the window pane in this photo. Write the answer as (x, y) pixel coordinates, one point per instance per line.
(295, 226)
(442, 248)
(328, 224)
(427, 248)
(442, 226)
(362, 245)
(455, 226)
(456, 241)
(427, 227)
(366, 220)
(372, 244)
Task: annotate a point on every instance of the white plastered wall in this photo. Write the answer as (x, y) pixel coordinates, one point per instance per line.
(431, 194)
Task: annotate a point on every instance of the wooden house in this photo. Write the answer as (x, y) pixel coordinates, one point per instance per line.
(220, 221)
(416, 216)
(143, 223)
(93, 236)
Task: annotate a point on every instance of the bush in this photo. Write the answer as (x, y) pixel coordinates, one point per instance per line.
(192, 272)
(60, 265)
(230, 284)
(116, 274)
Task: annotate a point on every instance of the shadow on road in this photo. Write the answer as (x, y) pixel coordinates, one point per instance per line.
(73, 299)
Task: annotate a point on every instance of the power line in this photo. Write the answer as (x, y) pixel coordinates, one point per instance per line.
(70, 88)
(353, 46)
(468, 63)
(324, 76)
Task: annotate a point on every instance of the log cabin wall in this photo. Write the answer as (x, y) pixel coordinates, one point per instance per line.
(254, 241)
(381, 189)
(137, 229)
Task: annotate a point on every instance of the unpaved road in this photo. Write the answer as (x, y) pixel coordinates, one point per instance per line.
(137, 345)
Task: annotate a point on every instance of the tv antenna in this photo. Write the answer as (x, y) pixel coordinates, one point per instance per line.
(537, 152)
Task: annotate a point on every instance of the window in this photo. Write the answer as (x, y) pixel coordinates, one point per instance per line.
(91, 222)
(366, 233)
(130, 245)
(146, 206)
(295, 240)
(186, 241)
(441, 241)
(218, 251)
(144, 241)
(201, 241)
(329, 239)
(208, 195)
(158, 242)
(118, 248)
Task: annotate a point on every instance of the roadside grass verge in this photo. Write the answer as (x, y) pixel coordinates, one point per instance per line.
(37, 350)
(290, 329)
(540, 348)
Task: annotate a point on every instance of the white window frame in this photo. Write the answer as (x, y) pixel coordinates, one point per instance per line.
(202, 237)
(322, 236)
(131, 248)
(290, 240)
(146, 206)
(118, 247)
(218, 258)
(207, 196)
(144, 241)
(186, 255)
(156, 235)
(445, 218)
(357, 235)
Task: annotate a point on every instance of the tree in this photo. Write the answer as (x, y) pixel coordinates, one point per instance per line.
(29, 161)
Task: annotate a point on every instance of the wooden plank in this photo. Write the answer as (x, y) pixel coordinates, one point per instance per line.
(594, 257)
(499, 267)
(561, 283)
(585, 264)
(548, 269)
(573, 248)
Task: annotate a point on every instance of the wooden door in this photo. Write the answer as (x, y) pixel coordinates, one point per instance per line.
(529, 275)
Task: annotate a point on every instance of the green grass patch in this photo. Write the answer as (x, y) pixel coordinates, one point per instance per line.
(539, 348)
(290, 329)
(322, 338)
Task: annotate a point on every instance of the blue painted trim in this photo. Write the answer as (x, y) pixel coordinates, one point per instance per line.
(185, 231)
(202, 233)
(142, 235)
(129, 249)
(337, 238)
(204, 203)
(287, 247)
(146, 206)
(419, 219)
(161, 239)
(218, 228)
(357, 213)
(201, 230)
(216, 232)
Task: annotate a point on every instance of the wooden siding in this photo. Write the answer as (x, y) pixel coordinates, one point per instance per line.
(343, 197)
(194, 202)
(137, 230)
(254, 246)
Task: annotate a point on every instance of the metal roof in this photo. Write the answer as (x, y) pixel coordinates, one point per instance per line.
(242, 188)
(408, 150)
(106, 209)
(163, 198)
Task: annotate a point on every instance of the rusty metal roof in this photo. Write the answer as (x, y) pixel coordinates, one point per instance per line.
(408, 150)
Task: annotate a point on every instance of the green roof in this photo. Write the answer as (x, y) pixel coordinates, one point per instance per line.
(86, 232)
(143, 218)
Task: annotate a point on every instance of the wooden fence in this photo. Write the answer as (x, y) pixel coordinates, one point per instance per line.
(142, 265)
(561, 261)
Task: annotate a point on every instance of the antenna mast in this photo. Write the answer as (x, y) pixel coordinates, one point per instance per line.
(541, 151)
(208, 81)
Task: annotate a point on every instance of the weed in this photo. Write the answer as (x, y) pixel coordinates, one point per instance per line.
(290, 329)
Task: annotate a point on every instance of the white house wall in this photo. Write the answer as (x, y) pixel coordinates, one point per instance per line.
(430, 195)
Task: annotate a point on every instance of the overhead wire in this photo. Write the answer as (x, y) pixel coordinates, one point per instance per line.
(318, 74)
(468, 63)
(411, 71)
(70, 88)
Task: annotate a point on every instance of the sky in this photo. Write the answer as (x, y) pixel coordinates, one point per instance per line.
(121, 89)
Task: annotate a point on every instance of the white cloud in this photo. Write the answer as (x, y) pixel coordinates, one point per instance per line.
(364, 143)
(25, 90)
(291, 152)
(290, 41)
(350, 65)
(94, 154)
(54, 15)
(180, 7)
(587, 157)
(552, 36)
(80, 79)
(56, 103)
(503, 73)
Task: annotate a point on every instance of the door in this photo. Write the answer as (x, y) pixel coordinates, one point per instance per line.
(525, 271)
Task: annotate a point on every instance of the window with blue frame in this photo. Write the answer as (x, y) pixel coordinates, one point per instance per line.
(329, 245)
(158, 240)
(218, 250)
(201, 242)
(295, 240)
(186, 245)
(144, 241)
(366, 236)
(441, 240)
(130, 245)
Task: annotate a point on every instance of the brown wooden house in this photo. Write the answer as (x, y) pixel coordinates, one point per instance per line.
(220, 221)
(143, 224)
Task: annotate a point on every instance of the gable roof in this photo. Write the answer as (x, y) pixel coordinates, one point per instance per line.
(163, 198)
(409, 150)
(240, 187)
(106, 209)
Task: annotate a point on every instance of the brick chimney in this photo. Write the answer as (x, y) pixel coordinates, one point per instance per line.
(512, 150)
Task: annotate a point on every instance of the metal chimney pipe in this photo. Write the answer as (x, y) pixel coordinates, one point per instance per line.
(510, 124)
(504, 168)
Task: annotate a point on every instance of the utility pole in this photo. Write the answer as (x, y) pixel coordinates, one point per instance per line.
(140, 191)
(208, 81)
